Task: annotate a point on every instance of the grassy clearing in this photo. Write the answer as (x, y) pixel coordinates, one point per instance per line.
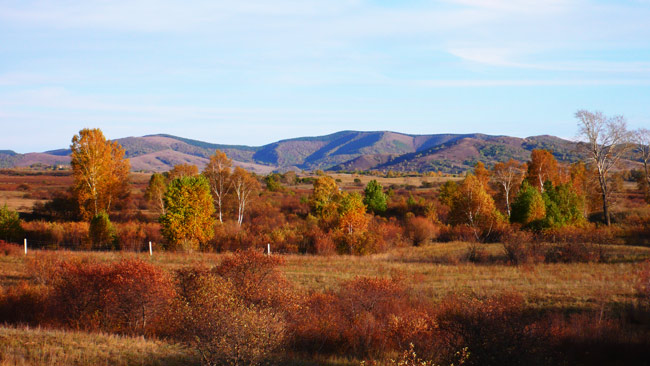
(35, 346)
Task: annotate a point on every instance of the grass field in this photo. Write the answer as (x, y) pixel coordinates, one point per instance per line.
(36, 346)
(431, 269)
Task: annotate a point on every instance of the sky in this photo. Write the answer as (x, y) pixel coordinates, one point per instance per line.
(257, 71)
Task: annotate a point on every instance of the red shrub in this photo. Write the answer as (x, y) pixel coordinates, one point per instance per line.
(255, 278)
(23, 304)
(124, 297)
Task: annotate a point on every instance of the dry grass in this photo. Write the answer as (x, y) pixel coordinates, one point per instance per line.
(426, 268)
(35, 346)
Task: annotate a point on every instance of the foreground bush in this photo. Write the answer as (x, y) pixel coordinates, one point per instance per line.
(222, 327)
(125, 297)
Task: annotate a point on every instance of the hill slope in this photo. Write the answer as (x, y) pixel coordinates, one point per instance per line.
(344, 150)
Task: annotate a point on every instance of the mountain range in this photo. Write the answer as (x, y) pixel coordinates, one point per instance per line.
(342, 151)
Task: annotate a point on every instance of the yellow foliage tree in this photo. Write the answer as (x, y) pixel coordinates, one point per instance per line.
(471, 205)
(100, 172)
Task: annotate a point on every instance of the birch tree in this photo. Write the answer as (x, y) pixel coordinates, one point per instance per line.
(243, 184)
(507, 176)
(100, 172)
(218, 173)
(606, 140)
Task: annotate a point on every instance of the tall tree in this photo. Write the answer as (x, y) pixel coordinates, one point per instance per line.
(188, 219)
(100, 172)
(542, 167)
(155, 192)
(244, 184)
(606, 141)
(218, 173)
(508, 177)
(483, 175)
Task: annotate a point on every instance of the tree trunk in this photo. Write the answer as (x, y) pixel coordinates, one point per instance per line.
(605, 209)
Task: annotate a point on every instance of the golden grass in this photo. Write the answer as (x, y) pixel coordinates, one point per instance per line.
(426, 269)
(35, 346)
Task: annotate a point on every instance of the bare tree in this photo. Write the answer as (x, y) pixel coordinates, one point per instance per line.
(218, 173)
(642, 139)
(243, 184)
(507, 176)
(606, 140)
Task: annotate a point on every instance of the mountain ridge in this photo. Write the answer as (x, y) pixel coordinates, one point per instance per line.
(343, 150)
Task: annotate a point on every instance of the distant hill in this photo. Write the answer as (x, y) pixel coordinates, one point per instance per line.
(344, 150)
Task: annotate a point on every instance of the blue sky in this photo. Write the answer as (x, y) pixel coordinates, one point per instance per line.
(252, 72)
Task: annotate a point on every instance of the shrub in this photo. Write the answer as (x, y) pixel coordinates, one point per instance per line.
(23, 304)
(495, 330)
(520, 247)
(10, 229)
(9, 249)
(125, 297)
(221, 326)
(420, 230)
(101, 232)
(574, 252)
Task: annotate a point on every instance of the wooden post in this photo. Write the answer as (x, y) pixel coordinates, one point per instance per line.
(25, 246)
(150, 250)
(268, 249)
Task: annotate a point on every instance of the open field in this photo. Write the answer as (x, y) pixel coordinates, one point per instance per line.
(432, 270)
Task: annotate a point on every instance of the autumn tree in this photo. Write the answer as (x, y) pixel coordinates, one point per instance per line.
(243, 184)
(182, 170)
(471, 205)
(188, 218)
(508, 177)
(483, 175)
(374, 197)
(218, 173)
(606, 142)
(323, 200)
(541, 167)
(155, 192)
(352, 212)
(100, 172)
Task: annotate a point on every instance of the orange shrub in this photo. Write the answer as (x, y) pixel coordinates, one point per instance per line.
(420, 230)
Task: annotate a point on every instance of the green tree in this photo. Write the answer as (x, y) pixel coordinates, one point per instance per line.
(447, 192)
(188, 219)
(563, 205)
(10, 229)
(529, 205)
(374, 197)
(101, 232)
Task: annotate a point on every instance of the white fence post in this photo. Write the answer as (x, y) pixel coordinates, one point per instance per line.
(150, 250)
(25, 246)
